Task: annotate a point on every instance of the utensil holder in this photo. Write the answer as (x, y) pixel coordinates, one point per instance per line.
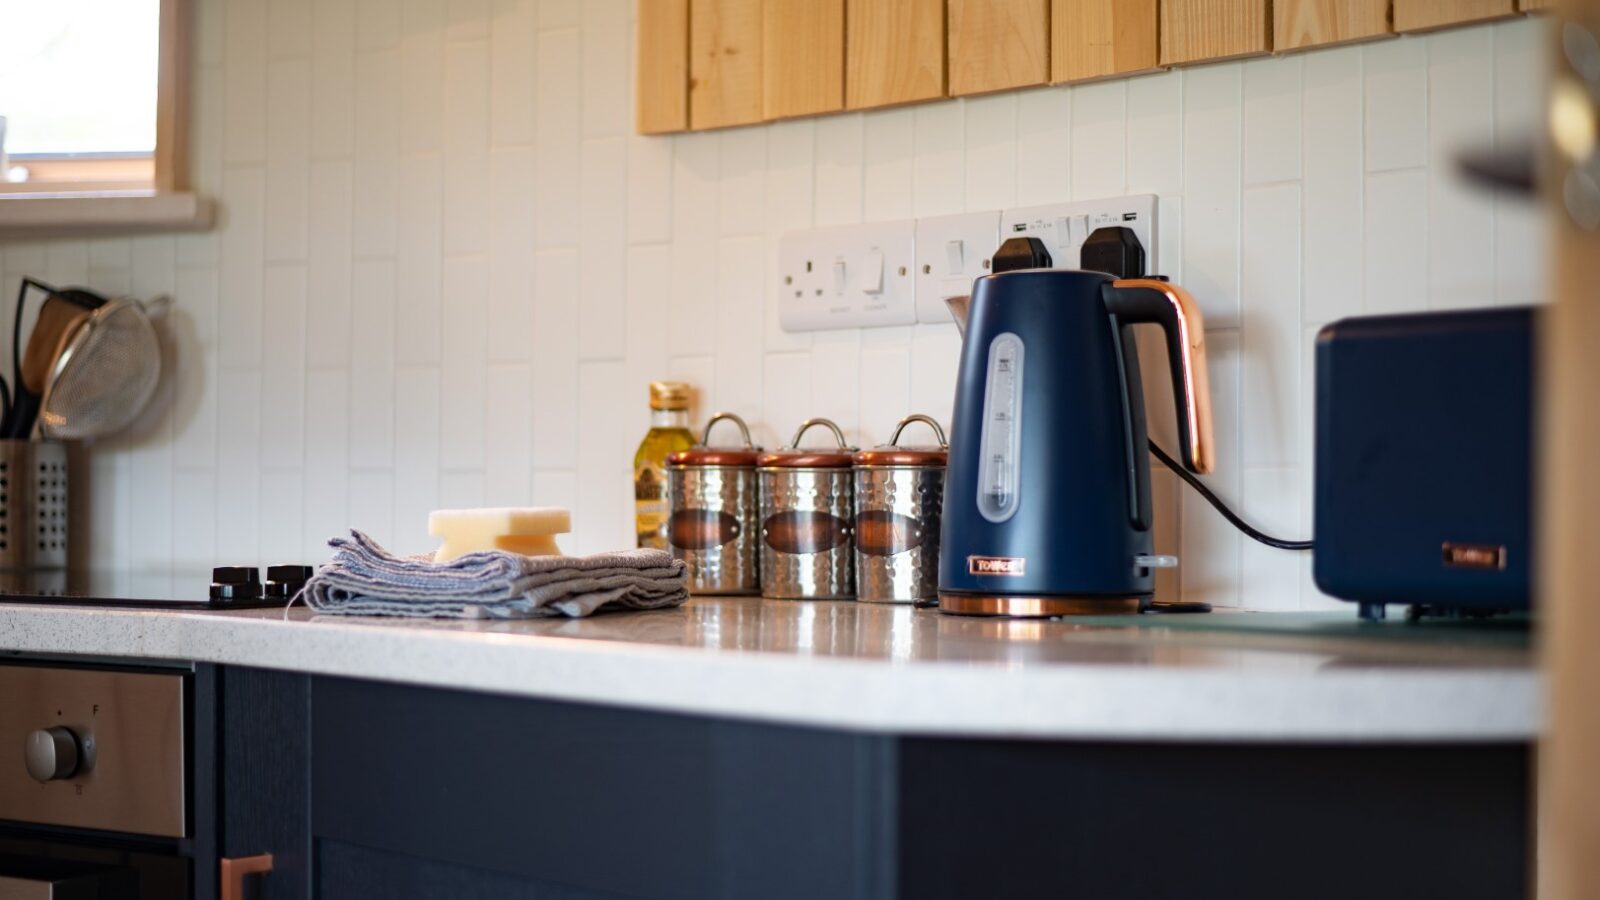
(35, 529)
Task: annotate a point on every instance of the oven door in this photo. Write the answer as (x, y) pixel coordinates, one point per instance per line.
(94, 793)
(29, 878)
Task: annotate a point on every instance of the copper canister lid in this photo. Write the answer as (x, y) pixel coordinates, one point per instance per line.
(703, 454)
(893, 455)
(796, 457)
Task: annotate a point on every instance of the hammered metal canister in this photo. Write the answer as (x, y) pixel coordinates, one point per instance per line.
(714, 524)
(808, 520)
(899, 493)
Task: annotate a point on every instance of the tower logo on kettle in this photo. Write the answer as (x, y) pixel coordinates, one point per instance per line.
(997, 565)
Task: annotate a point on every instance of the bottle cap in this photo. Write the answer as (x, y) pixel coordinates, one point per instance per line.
(673, 395)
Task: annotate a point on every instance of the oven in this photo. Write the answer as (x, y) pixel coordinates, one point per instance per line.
(96, 782)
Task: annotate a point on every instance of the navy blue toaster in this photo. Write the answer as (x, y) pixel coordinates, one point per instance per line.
(1424, 484)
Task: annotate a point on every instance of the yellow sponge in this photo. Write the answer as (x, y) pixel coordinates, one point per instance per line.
(529, 531)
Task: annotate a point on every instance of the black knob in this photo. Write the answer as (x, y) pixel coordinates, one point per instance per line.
(283, 582)
(235, 583)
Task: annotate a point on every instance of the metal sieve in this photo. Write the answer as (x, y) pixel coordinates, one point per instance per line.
(105, 376)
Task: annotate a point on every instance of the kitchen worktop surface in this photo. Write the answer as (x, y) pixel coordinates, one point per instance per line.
(1223, 676)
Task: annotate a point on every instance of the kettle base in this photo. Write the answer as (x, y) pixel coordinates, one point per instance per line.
(1039, 607)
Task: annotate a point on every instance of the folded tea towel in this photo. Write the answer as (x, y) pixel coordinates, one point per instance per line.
(366, 580)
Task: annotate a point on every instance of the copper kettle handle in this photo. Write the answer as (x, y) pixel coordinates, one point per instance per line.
(1153, 300)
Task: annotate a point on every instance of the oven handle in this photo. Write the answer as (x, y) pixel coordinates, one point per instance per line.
(234, 872)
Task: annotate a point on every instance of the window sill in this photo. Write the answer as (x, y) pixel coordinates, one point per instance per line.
(29, 216)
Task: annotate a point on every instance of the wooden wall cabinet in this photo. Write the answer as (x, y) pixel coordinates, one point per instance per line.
(1423, 15)
(704, 64)
(894, 52)
(661, 67)
(1299, 24)
(1206, 30)
(1101, 38)
(802, 57)
(725, 41)
(996, 45)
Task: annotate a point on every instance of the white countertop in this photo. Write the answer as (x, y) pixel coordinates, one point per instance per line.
(1226, 676)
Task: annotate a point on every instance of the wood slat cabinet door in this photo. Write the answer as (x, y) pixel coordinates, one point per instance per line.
(1206, 30)
(996, 45)
(724, 63)
(661, 70)
(894, 52)
(802, 57)
(1101, 38)
(1298, 24)
(1422, 15)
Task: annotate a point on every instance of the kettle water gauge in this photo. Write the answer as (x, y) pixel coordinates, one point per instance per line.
(998, 491)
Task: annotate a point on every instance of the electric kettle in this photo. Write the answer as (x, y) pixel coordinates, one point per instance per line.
(1047, 493)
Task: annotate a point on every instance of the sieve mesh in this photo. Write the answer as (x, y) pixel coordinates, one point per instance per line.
(107, 376)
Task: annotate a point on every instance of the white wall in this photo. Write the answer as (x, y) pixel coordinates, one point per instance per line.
(446, 269)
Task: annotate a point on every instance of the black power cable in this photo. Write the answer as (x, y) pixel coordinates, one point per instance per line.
(1221, 507)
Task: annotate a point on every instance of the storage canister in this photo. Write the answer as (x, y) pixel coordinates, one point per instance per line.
(807, 520)
(899, 493)
(714, 523)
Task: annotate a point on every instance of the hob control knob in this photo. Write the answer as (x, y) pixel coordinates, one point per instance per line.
(235, 583)
(52, 754)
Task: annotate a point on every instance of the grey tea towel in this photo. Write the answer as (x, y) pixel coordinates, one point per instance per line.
(366, 580)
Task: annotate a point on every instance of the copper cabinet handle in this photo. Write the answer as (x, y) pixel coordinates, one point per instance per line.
(234, 871)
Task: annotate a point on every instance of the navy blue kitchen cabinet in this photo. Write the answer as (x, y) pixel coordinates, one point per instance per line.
(364, 790)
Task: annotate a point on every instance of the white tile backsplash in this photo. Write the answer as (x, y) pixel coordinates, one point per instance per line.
(1397, 103)
(1332, 225)
(1099, 134)
(445, 268)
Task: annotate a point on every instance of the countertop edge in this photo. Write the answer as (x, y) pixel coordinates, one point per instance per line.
(932, 698)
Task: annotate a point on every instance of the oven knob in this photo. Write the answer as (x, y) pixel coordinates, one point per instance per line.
(52, 754)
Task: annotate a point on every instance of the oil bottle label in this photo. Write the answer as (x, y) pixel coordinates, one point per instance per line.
(650, 507)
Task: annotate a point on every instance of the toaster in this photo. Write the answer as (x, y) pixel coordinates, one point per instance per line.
(1424, 448)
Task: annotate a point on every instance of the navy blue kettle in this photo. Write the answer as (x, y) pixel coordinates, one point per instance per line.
(1047, 494)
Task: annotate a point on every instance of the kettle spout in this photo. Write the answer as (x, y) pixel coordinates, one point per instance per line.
(958, 307)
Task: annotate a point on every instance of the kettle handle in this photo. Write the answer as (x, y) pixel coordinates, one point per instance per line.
(1136, 300)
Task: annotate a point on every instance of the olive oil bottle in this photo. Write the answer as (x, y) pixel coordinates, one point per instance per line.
(669, 433)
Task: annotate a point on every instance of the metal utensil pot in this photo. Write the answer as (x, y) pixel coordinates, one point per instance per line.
(714, 523)
(808, 520)
(33, 505)
(899, 494)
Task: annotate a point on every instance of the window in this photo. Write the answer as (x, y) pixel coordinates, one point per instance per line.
(92, 116)
(78, 93)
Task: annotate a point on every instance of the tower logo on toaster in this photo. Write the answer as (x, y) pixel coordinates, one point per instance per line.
(997, 565)
(1474, 556)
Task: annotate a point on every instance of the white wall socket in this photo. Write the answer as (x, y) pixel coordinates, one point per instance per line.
(897, 273)
(849, 276)
(1063, 227)
(952, 251)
